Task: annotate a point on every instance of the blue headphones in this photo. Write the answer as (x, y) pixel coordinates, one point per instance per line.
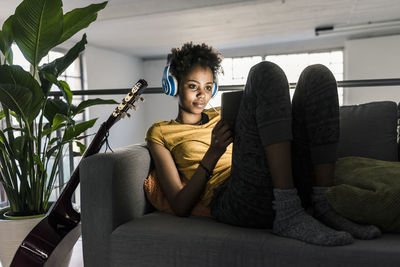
(170, 83)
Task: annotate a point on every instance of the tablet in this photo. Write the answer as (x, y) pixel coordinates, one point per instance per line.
(230, 103)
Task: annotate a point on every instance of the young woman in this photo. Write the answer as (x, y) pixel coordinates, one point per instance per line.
(283, 156)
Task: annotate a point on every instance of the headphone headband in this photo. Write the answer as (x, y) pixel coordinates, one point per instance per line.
(170, 83)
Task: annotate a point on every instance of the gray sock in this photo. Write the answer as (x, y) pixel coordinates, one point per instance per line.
(324, 212)
(292, 221)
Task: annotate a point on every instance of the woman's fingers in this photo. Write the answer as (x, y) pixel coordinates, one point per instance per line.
(222, 137)
(226, 135)
(221, 127)
(228, 141)
(219, 124)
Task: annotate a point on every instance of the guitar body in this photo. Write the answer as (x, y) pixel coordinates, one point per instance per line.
(51, 241)
(53, 250)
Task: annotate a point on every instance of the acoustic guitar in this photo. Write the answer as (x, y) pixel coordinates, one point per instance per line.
(50, 241)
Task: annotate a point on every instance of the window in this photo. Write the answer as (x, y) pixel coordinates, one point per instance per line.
(235, 73)
(294, 64)
(237, 69)
(73, 76)
(3, 197)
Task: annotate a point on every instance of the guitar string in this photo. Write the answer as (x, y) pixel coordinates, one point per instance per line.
(107, 143)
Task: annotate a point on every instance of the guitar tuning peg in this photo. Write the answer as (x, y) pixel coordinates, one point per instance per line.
(130, 106)
(129, 115)
(142, 99)
(135, 107)
(123, 114)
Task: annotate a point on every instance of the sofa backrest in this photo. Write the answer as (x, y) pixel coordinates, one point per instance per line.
(370, 130)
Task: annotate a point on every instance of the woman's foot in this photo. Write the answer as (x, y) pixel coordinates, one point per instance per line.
(324, 213)
(292, 221)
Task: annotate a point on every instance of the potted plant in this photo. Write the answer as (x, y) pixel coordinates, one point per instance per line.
(30, 149)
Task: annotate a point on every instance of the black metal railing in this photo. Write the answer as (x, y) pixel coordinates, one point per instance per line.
(158, 90)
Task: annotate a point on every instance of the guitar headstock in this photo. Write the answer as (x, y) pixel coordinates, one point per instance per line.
(129, 100)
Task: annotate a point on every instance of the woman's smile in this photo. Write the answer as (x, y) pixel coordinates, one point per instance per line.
(200, 104)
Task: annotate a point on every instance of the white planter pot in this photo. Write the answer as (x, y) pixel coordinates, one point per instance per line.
(12, 232)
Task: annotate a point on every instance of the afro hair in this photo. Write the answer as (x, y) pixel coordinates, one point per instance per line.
(183, 59)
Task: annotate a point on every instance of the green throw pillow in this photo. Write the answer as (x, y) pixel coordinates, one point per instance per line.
(367, 191)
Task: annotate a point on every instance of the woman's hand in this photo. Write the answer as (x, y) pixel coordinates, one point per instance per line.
(221, 137)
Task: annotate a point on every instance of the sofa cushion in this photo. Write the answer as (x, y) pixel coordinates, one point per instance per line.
(160, 239)
(367, 191)
(369, 130)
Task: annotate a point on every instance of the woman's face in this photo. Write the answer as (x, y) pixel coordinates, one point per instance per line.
(195, 89)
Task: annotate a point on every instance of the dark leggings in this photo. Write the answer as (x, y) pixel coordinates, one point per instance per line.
(266, 117)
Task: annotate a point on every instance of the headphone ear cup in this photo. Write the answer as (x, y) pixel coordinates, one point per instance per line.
(215, 88)
(174, 85)
(169, 82)
(164, 81)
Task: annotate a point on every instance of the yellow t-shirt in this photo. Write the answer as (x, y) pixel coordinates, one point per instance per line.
(188, 144)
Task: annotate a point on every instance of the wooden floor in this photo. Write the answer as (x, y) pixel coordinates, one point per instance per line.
(77, 257)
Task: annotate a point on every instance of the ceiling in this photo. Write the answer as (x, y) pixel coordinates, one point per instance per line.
(149, 28)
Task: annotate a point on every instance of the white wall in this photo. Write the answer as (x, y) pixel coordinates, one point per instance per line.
(372, 58)
(107, 69)
(157, 106)
(152, 71)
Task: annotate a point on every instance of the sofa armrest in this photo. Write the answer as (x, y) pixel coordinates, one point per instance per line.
(111, 194)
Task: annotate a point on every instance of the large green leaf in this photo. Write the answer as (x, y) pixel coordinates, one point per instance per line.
(2, 43)
(93, 102)
(37, 27)
(18, 147)
(7, 31)
(62, 85)
(82, 147)
(20, 92)
(6, 40)
(79, 19)
(59, 65)
(77, 129)
(15, 97)
(58, 121)
(53, 107)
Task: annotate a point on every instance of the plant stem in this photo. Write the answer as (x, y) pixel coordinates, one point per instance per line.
(8, 123)
(53, 172)
(42, 173)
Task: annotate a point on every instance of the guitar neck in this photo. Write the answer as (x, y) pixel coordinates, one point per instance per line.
(63, 206)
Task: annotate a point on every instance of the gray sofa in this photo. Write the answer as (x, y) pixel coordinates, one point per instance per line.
(120, 228)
